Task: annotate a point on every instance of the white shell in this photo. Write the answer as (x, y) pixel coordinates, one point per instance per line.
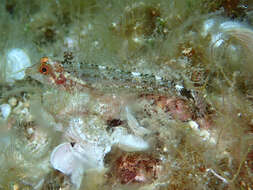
(63, 159)
(5, 110)
(16, 63)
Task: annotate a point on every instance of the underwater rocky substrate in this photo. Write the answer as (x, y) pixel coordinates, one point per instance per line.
(126, 94)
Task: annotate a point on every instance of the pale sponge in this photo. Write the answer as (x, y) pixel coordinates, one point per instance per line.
(14, 65)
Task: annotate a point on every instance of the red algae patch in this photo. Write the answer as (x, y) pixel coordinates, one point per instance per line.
(175, 106)
(135, 168)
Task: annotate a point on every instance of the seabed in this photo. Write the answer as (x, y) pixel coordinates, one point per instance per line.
(116, 95)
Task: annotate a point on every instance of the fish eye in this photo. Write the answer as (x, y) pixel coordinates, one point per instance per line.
(44, 69)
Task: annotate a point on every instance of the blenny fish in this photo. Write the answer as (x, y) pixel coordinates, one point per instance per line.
(98, 80)
(92, 76)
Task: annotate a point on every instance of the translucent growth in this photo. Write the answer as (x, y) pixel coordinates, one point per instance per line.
(134, 125)
(228, 38)
(88, 147)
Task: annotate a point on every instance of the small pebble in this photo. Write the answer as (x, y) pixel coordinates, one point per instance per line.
(193, 125)
(165, 149)
(12, 101)
(30, 131)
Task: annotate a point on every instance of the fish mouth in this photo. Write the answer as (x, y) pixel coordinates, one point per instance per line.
(32, 70)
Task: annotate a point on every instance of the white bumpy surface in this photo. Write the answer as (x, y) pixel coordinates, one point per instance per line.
(15, 64)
